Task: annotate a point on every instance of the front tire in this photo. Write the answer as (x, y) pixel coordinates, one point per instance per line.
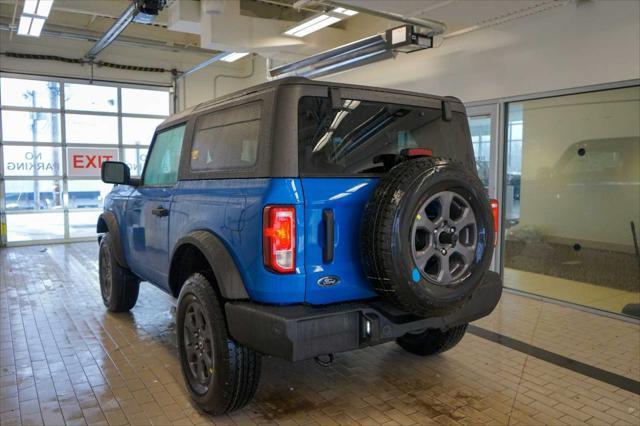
(432, 341)
(118, 286)
(220, 374)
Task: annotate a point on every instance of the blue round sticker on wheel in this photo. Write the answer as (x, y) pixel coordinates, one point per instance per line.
(415, 274)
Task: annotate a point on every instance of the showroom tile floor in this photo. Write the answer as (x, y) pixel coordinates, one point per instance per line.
(63, 359)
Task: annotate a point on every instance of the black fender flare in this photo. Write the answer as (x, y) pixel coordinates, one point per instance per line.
(225, 270)
(107, 222)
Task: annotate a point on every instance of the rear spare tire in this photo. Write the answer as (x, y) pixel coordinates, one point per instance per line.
(427, 236)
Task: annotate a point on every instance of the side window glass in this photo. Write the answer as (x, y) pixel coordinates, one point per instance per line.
(164, 159)
(227, 139)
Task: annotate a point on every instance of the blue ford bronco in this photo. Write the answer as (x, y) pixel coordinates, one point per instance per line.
(300, 219)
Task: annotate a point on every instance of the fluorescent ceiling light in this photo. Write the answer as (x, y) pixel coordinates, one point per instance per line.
(30, 26)
(44, 7)
(318, 22)
(312, 25)
(34, 15)
(37, 7)
(234, 56)
(36, 27)
(24, 25)
(306, 23)
(30, 6)
(344, 11)
(318, 26)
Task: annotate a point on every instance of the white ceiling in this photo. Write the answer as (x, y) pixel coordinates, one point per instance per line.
(456, 14)
(257, 35)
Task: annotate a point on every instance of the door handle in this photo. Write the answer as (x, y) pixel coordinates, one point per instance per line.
(160, 211)
(329, 225)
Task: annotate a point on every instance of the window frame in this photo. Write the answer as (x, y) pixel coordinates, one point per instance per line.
(382, 98)
(261, 167)
(62, 144)
(201, 118)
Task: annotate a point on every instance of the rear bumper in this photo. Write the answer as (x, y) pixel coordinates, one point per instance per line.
(300, 332)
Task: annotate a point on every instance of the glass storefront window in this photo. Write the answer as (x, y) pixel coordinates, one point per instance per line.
(142, 101)
(30, 227)
(89, 97)
(139, 131)
(83, 223)
(91, 129)
(33, 195)
(18, 92)
(87, 194)
(135, 158)
(480, 128)
(30, 126)
(32, 160)
(50, 169)
(573, 198)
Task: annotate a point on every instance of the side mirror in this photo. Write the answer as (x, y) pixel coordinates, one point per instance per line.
(116, 172)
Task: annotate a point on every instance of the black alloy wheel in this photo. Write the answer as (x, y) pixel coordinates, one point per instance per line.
(445, 237)
(198, 346)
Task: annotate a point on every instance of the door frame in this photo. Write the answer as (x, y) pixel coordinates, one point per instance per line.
(494, 110)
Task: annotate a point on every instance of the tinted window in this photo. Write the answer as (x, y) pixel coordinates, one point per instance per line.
(346, 140)
(227, 139)
(162, 165)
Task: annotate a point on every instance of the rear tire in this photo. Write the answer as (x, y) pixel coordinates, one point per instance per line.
(220, 374)
(118, 286)
(432, 341)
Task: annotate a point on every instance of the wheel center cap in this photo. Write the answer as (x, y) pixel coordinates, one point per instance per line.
(447, 236)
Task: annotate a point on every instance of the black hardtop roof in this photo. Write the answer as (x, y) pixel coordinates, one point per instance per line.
(288, 81)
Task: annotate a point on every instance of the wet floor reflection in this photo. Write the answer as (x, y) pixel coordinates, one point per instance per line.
(64, 359)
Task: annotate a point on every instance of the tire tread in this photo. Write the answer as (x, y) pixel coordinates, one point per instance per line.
(432, 342)
(242, 365)
(125, 287)
(378, 230)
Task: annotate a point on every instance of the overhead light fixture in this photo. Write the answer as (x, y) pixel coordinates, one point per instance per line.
(317, 22)
(34, 14)
(344, 11)
(338, 59)
(44, 7)
(233, 56)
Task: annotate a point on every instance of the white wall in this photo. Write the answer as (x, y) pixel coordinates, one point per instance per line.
(215, 81)
(580, 44)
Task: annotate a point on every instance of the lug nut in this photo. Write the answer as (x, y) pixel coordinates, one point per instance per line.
(452, 229)
(443, 251)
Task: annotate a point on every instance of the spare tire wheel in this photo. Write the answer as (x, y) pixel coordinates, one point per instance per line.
(427, 236)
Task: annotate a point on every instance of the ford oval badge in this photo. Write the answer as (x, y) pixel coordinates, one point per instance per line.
(328, 281)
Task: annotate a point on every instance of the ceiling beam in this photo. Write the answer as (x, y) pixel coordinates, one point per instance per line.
(72, 33)
(113, 32)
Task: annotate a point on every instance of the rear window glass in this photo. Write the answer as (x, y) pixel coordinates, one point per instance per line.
(227, 139)
(346, 141)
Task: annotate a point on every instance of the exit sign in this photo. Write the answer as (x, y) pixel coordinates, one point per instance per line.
(88, 161)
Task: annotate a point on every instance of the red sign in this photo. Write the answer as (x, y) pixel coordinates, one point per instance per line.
(88, 161)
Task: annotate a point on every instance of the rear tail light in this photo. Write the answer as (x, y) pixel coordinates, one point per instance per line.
(495, 210)
(279, 238)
